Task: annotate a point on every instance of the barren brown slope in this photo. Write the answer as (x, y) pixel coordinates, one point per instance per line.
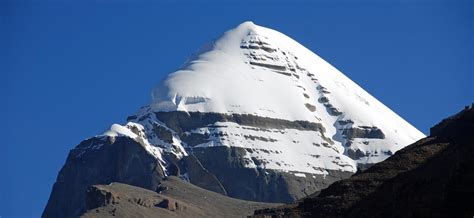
(433, 177)
(175, 198)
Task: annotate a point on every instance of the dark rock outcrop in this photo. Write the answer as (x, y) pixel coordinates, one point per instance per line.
(110, 159)
(433, 177)
(369, 132)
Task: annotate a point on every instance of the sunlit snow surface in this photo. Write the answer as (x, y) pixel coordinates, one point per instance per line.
(258, 71)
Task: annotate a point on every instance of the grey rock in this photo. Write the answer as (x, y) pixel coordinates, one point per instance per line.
(368, 132)
(119, 159)
(181, 121)
(228, 164)
(163, 133)
(310, 107)
(200, 176)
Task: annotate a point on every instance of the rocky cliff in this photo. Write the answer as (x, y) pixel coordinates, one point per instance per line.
(113, 159)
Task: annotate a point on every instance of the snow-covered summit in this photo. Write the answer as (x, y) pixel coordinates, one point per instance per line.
(235, 75)
(257, 89)
(259, 71)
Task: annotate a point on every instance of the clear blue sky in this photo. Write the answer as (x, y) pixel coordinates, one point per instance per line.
(69, 70)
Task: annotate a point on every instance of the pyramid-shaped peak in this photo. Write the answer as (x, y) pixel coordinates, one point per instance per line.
(285, 116)
(262, 72)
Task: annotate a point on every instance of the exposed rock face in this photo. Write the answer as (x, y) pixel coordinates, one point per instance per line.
(228, 164)
(200, 176)
(101, 161)
(175, 198)
(125, 159)
(369, 132)
(217, 167)
(430, 178)
(181, 121)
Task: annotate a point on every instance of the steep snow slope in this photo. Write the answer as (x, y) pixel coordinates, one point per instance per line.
(258, 71)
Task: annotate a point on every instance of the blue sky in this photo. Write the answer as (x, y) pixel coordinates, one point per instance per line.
(72, 68)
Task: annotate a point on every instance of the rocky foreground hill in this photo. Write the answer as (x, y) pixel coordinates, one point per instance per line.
(174, 198)
(433, 177)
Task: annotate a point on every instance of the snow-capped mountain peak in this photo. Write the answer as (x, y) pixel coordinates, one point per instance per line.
(258, 71)
(254, 115)
(257, 104)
